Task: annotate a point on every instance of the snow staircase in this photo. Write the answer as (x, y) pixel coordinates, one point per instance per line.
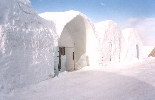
(99, 58)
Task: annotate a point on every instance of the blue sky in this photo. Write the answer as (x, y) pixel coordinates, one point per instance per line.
(126, 13)
(99, 10)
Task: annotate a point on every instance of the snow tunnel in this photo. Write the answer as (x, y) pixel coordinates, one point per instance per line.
(76, 44)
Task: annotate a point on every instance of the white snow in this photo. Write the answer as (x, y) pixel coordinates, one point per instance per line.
(28, 53)
(26, 45)
(60, 18)
(134, 81)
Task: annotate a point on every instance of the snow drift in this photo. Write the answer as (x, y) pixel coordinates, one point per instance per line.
(77, 35)
(26, 45)
(132, 45)
(110, 41)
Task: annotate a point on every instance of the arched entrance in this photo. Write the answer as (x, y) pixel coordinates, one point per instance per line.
(76, 38)
(73, 39)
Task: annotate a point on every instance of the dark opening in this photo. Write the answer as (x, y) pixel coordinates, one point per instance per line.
(73, 55)
(61, 52)
(137, 48)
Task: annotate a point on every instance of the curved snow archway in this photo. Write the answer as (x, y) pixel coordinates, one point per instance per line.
(75, 30)
(78, 36)
(132, 45)
(110, 41)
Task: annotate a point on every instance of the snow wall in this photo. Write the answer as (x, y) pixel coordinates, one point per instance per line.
(26, 45)
(132, 45)
(110, 41)
(76, 30)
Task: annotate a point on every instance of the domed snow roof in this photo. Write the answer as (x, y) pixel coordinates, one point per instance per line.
(108, 28)
(62, 18)
(131, 35)
(128, 32)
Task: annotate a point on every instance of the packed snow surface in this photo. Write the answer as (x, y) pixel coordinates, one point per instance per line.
(132, 81)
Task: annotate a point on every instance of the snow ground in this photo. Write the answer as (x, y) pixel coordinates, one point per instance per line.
(132, 81)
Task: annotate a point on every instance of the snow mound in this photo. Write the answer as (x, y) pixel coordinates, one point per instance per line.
(26, 45)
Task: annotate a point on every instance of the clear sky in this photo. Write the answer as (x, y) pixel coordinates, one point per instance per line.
(126, 13)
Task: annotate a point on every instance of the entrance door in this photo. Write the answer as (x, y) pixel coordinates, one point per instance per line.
(70, 58)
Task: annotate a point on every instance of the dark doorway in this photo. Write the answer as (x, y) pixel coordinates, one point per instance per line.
(61, 52)
(137, 49)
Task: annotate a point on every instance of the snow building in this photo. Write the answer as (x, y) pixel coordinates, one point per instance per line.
(132, 45)
(27, 44)
(78, 41)
(110, 41)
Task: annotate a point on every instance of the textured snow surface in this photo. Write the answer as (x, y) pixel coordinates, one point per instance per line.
(132, 81)
(130, 43)
(26, 45)
(110, 41)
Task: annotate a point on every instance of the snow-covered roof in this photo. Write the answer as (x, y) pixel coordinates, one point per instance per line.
(127, 32)
(131, 35)
(108, 26)
(62, 18)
